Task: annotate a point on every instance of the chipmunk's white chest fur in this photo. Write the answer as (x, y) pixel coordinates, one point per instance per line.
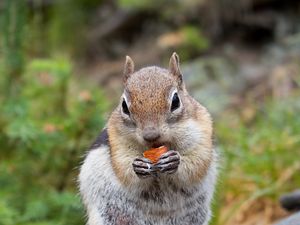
(158, 201)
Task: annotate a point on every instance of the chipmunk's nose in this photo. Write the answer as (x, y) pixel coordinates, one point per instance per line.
(151, 134)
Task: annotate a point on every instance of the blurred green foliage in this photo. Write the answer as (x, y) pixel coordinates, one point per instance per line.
(193, 42)
(12, 25)
(48, 119)
(68, 24)
(138, 4)
(44, 131)
(260, 158)
(268, 145)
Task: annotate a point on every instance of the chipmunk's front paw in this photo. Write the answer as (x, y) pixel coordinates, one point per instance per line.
(143, 167)
(168, 162)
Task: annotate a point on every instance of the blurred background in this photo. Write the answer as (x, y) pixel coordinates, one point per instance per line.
(61, 65)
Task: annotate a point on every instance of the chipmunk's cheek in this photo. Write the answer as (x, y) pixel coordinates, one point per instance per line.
(166, 134)
(140, 139)
(139, 136)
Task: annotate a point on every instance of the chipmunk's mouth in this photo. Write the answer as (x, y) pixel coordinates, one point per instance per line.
(156, 145)
(159, 144)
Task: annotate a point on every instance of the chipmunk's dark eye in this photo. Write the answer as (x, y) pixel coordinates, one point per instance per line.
(125, 107)
(175, 102)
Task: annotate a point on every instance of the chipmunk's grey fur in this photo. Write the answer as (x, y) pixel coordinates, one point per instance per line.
(120, 187)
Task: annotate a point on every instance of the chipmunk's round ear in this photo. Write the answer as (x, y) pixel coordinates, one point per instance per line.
(128, 69)
(174, 68)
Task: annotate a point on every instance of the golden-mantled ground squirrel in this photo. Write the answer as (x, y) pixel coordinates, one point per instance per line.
(121, 187)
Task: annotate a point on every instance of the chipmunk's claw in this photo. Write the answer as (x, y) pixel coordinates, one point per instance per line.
(168, 162)
(143, 168)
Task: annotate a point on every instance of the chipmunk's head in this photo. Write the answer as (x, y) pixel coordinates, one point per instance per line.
(154, 105)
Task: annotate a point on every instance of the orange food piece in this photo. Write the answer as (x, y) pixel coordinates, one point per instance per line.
(153, 154)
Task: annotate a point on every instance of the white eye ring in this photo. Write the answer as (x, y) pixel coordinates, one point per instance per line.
(125, 106)
(173, 92)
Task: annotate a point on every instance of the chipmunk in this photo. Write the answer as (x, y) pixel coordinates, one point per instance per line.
(120, 187)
